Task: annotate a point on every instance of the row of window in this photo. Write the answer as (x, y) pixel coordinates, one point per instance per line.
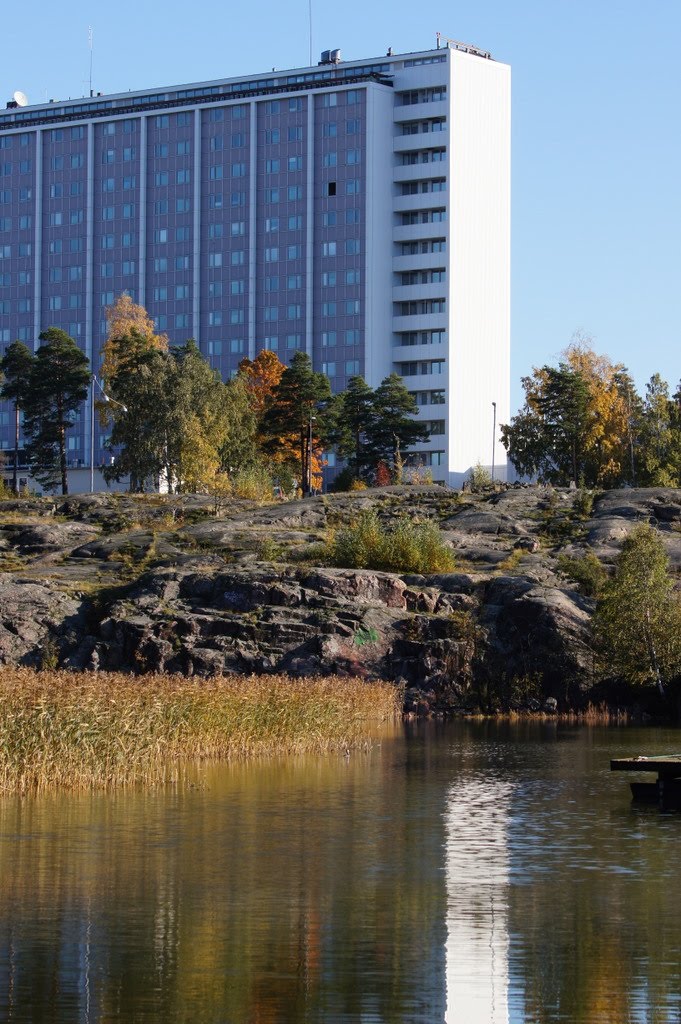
(425, 459)
(6, 140)
(330, 338)
(423, 156)
(128, 154)
(77, 131)
(292, 282)
(6, 195)
(23, 249)
(423, 306)
(411, 338)
(436, 124)
(216, 200)
(412, 96)
(23, 167)
(351, 368)
(426, 245)
(421, 367)
(414, 188)
(435, 397)
(410, 277)
(423, 217)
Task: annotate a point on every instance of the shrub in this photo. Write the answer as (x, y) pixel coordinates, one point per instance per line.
(583, 503)
(406, 548)
(383, 476)
(479, 478)
(254, 484)
(418, 475)
(587, 572)
(347, 480)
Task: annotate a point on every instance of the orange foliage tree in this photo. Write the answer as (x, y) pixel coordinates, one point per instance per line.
(123, 318)
(262, 376)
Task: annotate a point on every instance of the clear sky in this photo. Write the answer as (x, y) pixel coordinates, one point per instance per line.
(596, 134)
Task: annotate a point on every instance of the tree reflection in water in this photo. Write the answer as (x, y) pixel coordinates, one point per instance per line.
(473, 873)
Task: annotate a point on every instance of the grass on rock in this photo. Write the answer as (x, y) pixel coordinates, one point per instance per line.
(108, 730)
(406, 547)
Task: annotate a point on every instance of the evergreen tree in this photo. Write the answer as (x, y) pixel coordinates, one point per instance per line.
(392, 427)
(57, 385)
(298, 407)
(352, 419)
(16, 368)
(658, 437)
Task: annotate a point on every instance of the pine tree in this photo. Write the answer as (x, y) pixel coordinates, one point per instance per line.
(298, 408)
(57, 385)
(352, 418)
(16, 368)
(393, 428)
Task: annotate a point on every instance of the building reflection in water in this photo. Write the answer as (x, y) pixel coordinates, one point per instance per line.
(477, 868)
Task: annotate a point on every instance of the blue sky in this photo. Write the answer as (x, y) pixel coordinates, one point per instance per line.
(596, 139)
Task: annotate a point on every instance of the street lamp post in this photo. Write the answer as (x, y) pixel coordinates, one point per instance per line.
(309, 455)
(106, 398)
(494, 435)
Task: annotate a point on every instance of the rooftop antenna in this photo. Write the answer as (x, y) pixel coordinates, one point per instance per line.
(310, 13)
(89, 39)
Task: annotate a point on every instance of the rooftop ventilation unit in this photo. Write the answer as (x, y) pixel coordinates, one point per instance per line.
(331, 57)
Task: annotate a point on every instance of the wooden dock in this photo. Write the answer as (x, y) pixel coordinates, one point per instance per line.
(666, 790)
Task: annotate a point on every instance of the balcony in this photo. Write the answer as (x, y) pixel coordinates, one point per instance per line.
(412, 292)
(420, 201)
(421, 111)
(409, 353)
(420, 322)
(424, 140)
(420, 172)
(426, 382)
(420, 261)
(416, 232)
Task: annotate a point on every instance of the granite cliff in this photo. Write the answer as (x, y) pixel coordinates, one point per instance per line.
(164, 584)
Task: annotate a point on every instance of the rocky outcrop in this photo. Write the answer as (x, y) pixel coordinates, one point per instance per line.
(164, 585)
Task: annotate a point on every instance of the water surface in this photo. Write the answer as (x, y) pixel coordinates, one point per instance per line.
(470, 873)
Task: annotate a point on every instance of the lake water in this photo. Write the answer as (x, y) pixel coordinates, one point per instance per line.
(473, 873)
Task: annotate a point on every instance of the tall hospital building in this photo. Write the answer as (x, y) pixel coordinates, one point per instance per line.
(355, 210)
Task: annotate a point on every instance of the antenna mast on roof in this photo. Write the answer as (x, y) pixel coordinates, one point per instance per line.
(310, 13)
(89, 37)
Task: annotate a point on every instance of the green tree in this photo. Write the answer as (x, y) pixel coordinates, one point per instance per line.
(195, 421)
(240, 448)
(658, 437)
(352, 419)
(638, 618)
(298, 407)
(393, 427)
(576, 423)
(548, 437)
(57, 385)
(139, 410)
(16, 368)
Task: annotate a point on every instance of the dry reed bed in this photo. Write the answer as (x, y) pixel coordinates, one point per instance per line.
(107, 729)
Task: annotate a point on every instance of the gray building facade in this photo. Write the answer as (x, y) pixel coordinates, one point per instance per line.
(304, 210)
